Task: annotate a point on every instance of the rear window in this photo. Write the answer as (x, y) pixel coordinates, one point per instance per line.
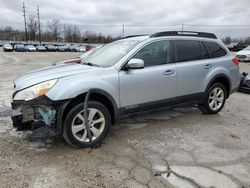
(215, 49)
(188, 50)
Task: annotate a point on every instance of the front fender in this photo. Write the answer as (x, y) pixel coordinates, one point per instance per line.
(70, 87)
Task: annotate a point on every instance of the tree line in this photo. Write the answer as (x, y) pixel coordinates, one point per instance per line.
(55, 32)
(228, 40)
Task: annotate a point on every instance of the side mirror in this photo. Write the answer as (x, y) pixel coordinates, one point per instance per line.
(135, 64)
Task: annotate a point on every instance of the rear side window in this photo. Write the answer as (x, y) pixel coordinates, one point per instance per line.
(188, 50)
(215, 49)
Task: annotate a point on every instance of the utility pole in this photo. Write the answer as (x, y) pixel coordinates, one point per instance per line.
(25, 23)
(123, 30)
(182, 27)
(39, 25)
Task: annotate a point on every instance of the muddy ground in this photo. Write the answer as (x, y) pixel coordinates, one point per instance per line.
(170, 148)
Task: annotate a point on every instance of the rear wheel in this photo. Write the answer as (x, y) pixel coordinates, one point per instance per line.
(214, 99)
(75, 132)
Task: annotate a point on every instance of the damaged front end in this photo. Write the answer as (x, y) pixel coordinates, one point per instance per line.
(31, 115)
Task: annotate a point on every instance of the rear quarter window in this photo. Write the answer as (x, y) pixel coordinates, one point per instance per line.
(215, 50)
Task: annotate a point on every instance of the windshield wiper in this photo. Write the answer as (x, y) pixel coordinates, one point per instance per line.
(90, 64)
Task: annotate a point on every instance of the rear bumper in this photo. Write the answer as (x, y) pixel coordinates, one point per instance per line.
(31, 115)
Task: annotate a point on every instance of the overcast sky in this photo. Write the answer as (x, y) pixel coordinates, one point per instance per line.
(139, 16)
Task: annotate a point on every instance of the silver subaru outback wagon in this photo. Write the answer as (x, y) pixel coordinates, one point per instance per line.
(131, 75)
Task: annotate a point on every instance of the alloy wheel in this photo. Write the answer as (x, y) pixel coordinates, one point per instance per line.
(216, 98)
(96, 124)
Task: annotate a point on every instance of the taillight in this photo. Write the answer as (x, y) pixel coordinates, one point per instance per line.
(236, 61)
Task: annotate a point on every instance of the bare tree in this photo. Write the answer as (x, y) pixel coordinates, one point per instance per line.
(76, 35)
(227, 40)
(32, 27)
(54, 28)
(72, 34)
(68, 33)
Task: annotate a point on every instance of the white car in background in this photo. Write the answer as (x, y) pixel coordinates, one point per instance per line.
(244, 55)
(7, 47)
(30, 48)
(82, 49)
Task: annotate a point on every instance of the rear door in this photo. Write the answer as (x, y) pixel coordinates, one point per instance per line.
(191, 67)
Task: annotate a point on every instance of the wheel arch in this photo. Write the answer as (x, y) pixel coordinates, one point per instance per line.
(220, 78)
(96, 95)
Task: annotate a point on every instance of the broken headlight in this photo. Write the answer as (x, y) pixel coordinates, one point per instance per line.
(35, 91)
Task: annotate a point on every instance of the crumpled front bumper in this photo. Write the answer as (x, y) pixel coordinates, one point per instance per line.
(31, 115)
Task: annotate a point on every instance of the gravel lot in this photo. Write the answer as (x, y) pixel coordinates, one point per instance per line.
(194, 149)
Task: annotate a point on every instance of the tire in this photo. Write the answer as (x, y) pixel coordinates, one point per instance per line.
(214, 99)
(74, 131)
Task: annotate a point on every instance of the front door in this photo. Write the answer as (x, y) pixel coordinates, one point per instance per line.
(155, 82)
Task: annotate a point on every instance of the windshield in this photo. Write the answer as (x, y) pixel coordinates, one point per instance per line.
(247, 48)
(110, 54)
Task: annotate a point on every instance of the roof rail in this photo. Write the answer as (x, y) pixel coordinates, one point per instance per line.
(130, 36)
(184, 33)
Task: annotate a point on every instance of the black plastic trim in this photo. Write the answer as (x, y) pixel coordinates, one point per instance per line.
(112, 100)
(171, 102)
(220, 76)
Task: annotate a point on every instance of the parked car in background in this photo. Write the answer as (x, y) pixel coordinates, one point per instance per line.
(74, 48)
(30, 48)
(90, 51)
(236, 46)
(69, 61)
(7, 47)
(63, 48)
(88, 47)
(19, 48)
(244, 55)
(82, 48)
(128, 76)
(50, 48)
(40, 49)
(80, 59)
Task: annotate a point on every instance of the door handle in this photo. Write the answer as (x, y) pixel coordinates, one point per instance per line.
(169, 72)
(208, 66)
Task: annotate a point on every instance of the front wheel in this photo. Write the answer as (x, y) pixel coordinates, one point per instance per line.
(214, 99)
(75, 132)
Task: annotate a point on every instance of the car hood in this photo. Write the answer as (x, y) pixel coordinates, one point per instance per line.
(50, 73)
(8, 47)
(243, 52)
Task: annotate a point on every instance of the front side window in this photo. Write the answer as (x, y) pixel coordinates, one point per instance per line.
(156, 53)
(188, 50)
(215, 49)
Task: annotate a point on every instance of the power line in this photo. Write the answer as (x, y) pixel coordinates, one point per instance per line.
(146, 25)
(204, 25)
